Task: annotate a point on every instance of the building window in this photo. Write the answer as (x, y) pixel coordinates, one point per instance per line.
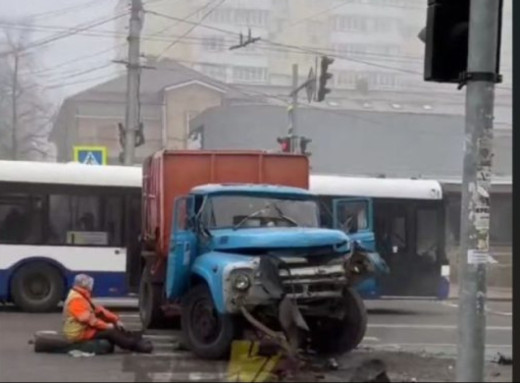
(383, 24)
(250, 74)
(350, 23)
(219, 16)
(251, 17)
(214, 43)
(214, 71)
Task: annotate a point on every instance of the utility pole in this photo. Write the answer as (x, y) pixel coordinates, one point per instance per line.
(133, 75)
(481, 77)
(14, 107)
(291, 131)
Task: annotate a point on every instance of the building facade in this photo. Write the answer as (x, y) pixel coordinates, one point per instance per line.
(374, 41)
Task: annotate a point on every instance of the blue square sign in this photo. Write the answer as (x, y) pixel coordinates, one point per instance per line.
(90, 155)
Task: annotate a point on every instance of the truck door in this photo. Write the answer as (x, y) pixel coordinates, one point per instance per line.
(182, 248)
(354, 216)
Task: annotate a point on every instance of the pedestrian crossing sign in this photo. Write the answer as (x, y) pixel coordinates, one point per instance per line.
(90, 155)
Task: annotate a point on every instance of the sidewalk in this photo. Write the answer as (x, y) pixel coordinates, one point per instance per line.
(493, 293)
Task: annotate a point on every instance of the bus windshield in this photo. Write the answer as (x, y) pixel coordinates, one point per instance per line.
(240, 211)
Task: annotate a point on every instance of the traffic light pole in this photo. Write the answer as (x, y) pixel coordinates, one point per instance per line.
(483, 40)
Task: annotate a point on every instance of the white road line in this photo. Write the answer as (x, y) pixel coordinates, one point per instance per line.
(136, 316)
(371, 339)
(494, 312)
(431, 327)
(436, 345)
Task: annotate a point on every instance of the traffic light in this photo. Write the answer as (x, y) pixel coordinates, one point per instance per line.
(446, 39)
(285, 144)
(325, 76)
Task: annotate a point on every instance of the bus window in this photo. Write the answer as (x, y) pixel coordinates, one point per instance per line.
(21, 219)
(350, 211)
(427, 234)
(85, 220)
(398, 234)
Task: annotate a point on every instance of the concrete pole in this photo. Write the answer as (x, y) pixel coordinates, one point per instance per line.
(133, 73)
(292, 111)
(483, 40)
(14, 108)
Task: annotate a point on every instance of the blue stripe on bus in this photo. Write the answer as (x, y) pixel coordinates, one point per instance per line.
(106, 284)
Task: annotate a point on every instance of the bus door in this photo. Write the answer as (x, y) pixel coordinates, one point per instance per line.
(429, 263)
(392, 233)
(354, 217)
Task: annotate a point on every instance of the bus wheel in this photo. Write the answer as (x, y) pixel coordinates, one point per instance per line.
(150, 302)
(333, 336)
(37, 287)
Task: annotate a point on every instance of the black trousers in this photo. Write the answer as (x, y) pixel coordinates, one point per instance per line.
(122, 339)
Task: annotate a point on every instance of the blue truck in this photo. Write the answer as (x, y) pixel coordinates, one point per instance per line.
(247, 254)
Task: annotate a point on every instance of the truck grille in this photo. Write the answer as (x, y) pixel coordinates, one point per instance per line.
(313, 282)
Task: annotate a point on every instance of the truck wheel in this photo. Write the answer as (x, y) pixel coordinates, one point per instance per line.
(334, 336)
(150, 302)
(206, 333)
(37, 288)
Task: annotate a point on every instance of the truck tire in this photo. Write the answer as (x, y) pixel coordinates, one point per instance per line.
(37, 287)
(334, 336)
(150, 302)
(205, 332)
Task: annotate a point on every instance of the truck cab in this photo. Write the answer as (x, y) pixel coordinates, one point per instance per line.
(239, 248)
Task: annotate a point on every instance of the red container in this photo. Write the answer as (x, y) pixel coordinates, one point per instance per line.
(171, 174)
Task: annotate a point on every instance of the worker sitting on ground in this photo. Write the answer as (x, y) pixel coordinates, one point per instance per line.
(84, 321)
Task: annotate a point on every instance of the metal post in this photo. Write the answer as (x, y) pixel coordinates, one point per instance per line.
(483, 40)
(133, 73)
(14, 108)
(292, 110)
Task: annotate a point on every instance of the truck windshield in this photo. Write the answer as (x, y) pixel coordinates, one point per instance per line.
(234, 211)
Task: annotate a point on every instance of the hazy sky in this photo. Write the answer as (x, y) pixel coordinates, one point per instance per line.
(55, 17)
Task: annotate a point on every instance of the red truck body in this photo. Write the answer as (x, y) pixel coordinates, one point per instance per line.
(171, 174)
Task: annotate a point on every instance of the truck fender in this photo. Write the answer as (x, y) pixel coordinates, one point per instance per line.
(214, 281)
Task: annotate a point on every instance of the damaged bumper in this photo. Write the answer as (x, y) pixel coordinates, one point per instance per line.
(269, 279)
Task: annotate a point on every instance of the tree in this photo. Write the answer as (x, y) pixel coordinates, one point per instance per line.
(26, 116)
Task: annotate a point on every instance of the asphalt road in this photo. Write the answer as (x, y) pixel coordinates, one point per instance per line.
(406, 326)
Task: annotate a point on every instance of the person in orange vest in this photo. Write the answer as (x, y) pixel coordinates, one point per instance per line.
(83, 320)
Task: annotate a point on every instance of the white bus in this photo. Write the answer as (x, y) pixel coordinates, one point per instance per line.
(57, 220)
(403, 220)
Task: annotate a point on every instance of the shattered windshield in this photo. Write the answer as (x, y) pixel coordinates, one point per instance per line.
(239, 211)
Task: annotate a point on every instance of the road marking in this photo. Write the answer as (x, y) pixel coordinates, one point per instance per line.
(130, 316)
(494, 312)
(432, 327)
(371, 339)
(436, 345)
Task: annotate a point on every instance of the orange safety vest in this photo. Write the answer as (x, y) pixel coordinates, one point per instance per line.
(81, 318)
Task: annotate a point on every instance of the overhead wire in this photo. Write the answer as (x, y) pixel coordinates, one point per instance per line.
(312, 51)
(62, 11)
(194, 25)
(60, 36)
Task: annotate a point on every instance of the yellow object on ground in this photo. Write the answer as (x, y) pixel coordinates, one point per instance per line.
(246, 365)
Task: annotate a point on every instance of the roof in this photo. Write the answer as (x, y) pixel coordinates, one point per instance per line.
(360, 143)
(165, 74)
(375, 187)
(250, 188)
(69, 174)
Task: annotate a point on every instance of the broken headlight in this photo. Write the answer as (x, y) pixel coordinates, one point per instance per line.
(241, 282)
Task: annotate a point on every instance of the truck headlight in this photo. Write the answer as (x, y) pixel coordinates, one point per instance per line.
(241, 282)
